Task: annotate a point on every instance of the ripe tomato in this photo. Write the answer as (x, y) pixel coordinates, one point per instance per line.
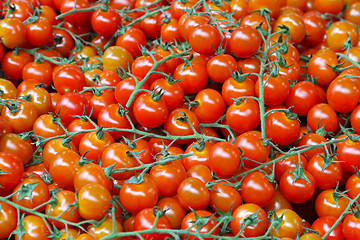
(174, 211)
(39, 33)
(173, 94)
(8, 220)
(192, 78)
(135, 197)
(319, 67)
(252, 148)
(234, 88)
(224, 158)
(14, 144)
(323, 224)
(146, 219)
(276, 89)
(106, 22)
(64, 208)
(281, 129)
(116, 154)
(351, 226)
(255, 184)
(303, 96)
(13, 168)
(245, 41)
(243, 115)
(295, 187)
(192, 193)
(133, 39)
(150, 111)
(107, 227)
(143, 64)
(94, 143)
(116, 57)
(179, 120)
(63, 168)
(224, 197)
(290, 225)
(91, 173)
(68, 78)
(94, 201)
(12, 32)
(330, 203)
(79, 18)
(210, 105)
(253, 229)
(204, 39)
(72, 104)
(190, 222)
(168, 177)
(322, 115)
(38, 196)
(339, 32)
(35, 228)
(327, 171)
(221, 67)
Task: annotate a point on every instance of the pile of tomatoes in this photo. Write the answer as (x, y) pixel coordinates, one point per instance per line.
(185, 119)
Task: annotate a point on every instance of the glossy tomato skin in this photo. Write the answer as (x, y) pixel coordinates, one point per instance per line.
(193, 79)
(224, 158)
(75, 18)
(322, 115)
(23, 119)
(8, 222)
(150, 112)
(63, 207)
(107, 227)
(68, 78)
(347, 153)
(290, 226)
(105, 23)
(14, 168)
(13, 143)
(168, 177)
(204, 39)
(116, 154)
(353, 186)
(192, 193)
(175, 212)
(255, 184)
(221, 67)
(326, 205)
(243, 116)
(65, 162)
(114, 116)
(12, 32)
(178, 127)
(39, 195)
(173, 92)
(188, 223)
(94, 145)
(136, 196)
(325, 176)
(281, 129)
(224, 197)
(243, 211)
(343, 94)
(35, 228)
(252, 148)
(303, 96)
(94, 201)
(71, 104)
(245, 41)
(145, 219)
(323, 224)
(211, 105)
(91, 173)
(297, 190)
(351, 226)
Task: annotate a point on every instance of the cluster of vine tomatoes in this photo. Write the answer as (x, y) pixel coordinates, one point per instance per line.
(143, 119)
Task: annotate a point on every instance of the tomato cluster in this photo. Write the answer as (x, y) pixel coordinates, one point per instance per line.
(162, 119)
